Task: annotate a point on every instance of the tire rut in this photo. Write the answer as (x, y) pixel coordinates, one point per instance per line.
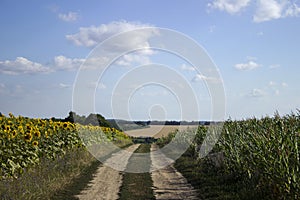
(107, 181)
(168, 183)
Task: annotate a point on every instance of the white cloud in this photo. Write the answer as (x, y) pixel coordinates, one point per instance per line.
(292, 11)
(68, 17)
(275, 87)
(267, 10)
(250, 65)
(22, 65)
(69, 64)
(257, 93)
(93, 35)
(62, 85)
(274, 9)
(136, 57)
(184, 67)
(230, 6)
(200, 77)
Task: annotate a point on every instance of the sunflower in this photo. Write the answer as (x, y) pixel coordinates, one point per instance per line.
(20, 129)
(35, 143)
(11, 115)
(13, 134)
(28, 127)
(46, 134)
(37, 134)
(28, 137)
(64, 125)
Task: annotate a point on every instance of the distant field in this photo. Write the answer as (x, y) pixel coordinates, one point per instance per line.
(156, 131)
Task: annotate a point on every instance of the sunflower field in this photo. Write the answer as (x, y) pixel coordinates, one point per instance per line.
(25, 141)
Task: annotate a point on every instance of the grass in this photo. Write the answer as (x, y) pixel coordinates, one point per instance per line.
(41, 181)
(137, 186)
(61, 178)
(214, 183)
(209, 182)
(80, 182)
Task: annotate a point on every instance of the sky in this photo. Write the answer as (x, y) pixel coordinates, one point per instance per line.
(47, 46)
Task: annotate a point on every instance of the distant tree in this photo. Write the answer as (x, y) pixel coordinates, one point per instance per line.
(73, 117)
(96, 120)
(102, 121)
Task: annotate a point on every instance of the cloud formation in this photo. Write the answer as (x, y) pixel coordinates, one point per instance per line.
(257, 93)
(93, 35)
(68, 17)
(68, 64)
(230, 6)
(22, 65)
(200, 77)
(265, 10)
(250, 65)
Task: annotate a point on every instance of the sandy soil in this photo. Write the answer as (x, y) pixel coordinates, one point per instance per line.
(168, 183)
(156, 131)
(107, 181)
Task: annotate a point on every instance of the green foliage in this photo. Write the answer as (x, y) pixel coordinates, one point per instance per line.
(264, 153)
(24, 141)
(267, 150)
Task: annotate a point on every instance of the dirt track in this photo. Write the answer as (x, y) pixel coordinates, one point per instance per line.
(107, 181)
(168, 183)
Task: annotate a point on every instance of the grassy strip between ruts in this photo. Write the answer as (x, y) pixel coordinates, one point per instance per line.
(137, 186)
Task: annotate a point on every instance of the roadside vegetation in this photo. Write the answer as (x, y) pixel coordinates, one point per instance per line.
(40, 158)
(254, 159)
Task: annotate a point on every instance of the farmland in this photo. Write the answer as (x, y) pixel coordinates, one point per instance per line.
(37, 154)
(253, 159)
(256, 159)
(157, 131)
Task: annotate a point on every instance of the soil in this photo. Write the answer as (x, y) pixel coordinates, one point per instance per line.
(168, 183)
(107, 181)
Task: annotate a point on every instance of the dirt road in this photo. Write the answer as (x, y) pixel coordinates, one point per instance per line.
(107, 181)
(168, 183)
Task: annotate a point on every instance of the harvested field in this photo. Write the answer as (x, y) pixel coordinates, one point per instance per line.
(157, 131)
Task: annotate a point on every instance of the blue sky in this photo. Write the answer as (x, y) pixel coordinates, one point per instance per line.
(255, 45)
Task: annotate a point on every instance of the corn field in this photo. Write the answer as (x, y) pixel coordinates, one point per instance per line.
(265, 150)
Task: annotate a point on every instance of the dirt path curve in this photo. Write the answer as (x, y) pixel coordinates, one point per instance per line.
(107, 181)
(168, 183)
